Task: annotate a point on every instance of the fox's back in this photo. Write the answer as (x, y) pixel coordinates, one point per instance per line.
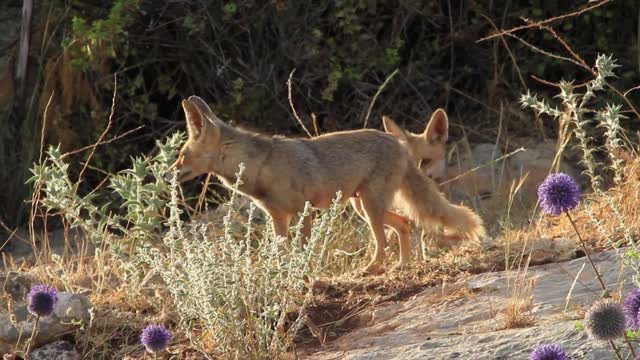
(345, 149)
(338, 159)
(365, 145)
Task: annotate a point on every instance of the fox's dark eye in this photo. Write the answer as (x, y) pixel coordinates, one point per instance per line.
(425, 162)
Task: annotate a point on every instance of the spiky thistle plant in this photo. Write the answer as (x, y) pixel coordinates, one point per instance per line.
(559, 194)
(580, 116)
(605, 321)
(632, 309)
(155, 338)
(548, 352)
(41, 301)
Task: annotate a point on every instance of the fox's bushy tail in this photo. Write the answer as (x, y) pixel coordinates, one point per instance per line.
(424, 203)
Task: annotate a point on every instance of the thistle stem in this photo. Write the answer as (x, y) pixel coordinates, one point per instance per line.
(586, 251)
(604, 287)
(33, 336)
(633, 352)
(615, 350)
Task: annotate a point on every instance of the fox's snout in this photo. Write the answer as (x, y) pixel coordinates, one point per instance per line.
(184, 172)
(437, 171)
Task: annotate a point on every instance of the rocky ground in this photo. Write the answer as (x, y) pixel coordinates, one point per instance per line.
(461, 319)
(466, 319)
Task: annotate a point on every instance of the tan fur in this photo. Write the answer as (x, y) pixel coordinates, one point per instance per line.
(368, 166)
(429, 148)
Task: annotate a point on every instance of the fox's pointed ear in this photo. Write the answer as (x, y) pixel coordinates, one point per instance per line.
(204, 108)
(196, 123)
(438, 127)
(392, 128)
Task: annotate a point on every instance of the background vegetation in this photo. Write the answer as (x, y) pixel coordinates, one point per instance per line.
(238, 55)
(114, 73)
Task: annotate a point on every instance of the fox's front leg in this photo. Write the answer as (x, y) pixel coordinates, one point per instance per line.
(374, 212)
(280, 223)
(399, 224)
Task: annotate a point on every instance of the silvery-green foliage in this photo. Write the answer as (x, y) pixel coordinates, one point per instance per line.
(577, 111)
(244, 294)
(631, 254)
(610, 120)
(249, 296)
(140, 191)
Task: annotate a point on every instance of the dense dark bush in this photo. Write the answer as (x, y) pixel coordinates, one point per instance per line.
(238, 56)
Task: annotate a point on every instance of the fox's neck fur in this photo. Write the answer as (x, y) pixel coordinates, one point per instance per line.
(242, 146)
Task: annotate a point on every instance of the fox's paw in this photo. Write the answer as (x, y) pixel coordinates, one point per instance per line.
(401, 266)
(372, 269)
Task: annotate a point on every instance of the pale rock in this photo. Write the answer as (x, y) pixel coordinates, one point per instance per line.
(428, 326)
(59, 350)
(70, 312)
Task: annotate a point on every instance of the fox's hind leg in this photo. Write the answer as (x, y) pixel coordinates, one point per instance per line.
(356, 202)
(402, 227)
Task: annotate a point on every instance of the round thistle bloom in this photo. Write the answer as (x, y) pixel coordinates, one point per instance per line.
(548, 352)
(155, 338)
(605, 320)
(41, 300)
(558, 193)
(632, 308)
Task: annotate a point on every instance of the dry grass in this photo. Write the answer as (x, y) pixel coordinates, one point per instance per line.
(622, 198)
(517, 312)
(339, 299)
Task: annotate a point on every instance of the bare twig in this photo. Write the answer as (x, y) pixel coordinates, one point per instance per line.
(565, 45)
(35, 198)
(293, 109)
(615, 350)
(36, 327)
(482, 166)
(547, 21)
(506, 46)
(631, 349)
(44, 125)
(615, 90)
(546, 53)
(632, 89)
(106, 130)
(117, 137)
(11, 235)
(554, 84)
(373, 101)
(576, 58)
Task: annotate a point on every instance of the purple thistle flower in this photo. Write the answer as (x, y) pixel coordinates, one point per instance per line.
(548, 352)
(41, 300)
(605, 320)
(155, 338)
(631, 309)
(558, 193)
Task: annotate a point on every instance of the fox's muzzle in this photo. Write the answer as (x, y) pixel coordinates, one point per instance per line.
(183, 172)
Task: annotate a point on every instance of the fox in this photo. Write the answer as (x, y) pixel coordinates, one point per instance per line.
(429, 152)
(371, 168)
(429, 148)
